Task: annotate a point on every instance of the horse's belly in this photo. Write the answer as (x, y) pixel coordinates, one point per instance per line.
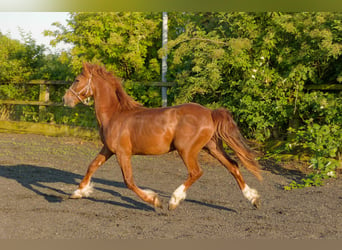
(153, 143)
(153, 150)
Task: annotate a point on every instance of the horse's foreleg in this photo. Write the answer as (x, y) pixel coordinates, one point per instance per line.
(146, 195)
(216, 150)
(85, 187)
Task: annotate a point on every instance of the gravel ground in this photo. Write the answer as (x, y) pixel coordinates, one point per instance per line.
(38, 173)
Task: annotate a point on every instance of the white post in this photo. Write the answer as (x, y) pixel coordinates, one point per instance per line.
(164, 59)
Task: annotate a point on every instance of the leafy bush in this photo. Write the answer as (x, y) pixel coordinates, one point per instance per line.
(147, 95)
(320, 136)
(258, 65)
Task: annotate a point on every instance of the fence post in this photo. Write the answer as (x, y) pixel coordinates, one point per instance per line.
(44, 96)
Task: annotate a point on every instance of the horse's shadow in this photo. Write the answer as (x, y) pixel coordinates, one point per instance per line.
(37, 178)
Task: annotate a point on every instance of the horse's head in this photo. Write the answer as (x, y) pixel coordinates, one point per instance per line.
(81, 89)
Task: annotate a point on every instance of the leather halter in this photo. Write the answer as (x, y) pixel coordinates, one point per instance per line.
(87, 88)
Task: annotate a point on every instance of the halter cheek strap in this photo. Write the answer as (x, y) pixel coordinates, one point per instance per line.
(87, 88)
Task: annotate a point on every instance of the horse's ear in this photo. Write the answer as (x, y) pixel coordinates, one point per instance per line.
(86, 67)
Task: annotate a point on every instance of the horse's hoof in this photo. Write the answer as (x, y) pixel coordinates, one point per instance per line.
(157, 203)
(256, 203)
(76, 195)
(152, 198)
(172, 206)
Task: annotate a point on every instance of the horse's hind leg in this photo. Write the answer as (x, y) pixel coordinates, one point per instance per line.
(85, 187)
(215, 148)
(190, 160)
(126, 168)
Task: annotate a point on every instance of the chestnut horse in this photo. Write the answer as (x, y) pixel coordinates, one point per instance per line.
(127, 128)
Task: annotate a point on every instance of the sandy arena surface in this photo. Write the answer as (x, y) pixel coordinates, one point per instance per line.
(38, 173)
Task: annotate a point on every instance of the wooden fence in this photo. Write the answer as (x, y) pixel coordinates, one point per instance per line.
(43, 101)
(63, 130)
(44, 94)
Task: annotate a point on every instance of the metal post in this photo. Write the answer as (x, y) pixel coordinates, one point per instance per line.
(164, 59)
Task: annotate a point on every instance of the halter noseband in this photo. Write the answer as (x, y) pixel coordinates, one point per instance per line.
(87, 88)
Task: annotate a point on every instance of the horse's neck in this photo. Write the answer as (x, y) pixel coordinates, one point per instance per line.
(105, 103)
(111, 99)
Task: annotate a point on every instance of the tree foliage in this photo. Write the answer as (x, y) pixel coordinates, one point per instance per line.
(258, 65)
(126, 42)
(22, 62)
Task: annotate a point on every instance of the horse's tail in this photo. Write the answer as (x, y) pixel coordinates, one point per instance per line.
(226, 129)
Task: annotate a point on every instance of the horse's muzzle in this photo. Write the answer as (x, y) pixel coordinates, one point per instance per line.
(68, 101)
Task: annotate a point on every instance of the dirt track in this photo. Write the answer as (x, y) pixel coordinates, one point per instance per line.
(38, 173)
